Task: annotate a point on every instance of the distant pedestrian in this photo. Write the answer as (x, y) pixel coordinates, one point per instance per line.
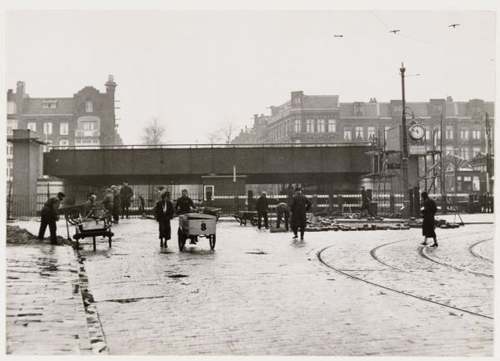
(262, 207)
(164, 212)
(90, 206)
(142, 205)
(49, 217)
(116, 204)
(184, 204)
(428, 226)
(365, 202)
(108, 204)
(282, 214)
(299, 206)
(126, 195)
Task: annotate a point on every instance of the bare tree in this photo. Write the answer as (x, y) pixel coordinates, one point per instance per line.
(214, 137)
(227, 132)
(153, 133)
(223, 134)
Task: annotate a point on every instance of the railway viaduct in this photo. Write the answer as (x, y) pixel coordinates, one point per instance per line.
(340, 165)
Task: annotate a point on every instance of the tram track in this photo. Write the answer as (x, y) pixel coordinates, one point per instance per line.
(423, 253)
(478, 255)
(319, 255)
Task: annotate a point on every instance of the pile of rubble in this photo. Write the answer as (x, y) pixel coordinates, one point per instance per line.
(18, 235)
(441, 223)
(329, 223)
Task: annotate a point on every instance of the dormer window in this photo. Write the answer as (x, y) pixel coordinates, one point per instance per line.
(89, 107)
(49, 104)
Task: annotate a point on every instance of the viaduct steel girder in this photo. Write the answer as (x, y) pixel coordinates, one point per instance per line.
(165, 164)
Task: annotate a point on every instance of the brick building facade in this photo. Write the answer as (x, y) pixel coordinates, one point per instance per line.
(323, 119)
(85, 119)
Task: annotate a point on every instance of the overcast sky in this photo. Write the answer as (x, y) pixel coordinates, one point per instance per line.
(198, 70)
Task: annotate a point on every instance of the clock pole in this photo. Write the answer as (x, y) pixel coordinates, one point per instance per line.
(404, 146)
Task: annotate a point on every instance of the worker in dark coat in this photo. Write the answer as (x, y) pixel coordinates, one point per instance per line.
(126, 195)
(184, 204)
(428, 226)
(117, 203)
(164, 212)
(282, 213)
(299, 206)
(365, 203)
(107, 202)
(49, 217)
(262, 206)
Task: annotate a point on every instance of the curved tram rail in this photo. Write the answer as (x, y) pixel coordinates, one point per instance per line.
(372, 252)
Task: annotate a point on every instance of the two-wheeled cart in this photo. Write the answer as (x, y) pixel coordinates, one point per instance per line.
(194, 225)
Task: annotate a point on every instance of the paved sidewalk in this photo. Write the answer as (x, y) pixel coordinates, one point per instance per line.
(44, 314)
(260, 293)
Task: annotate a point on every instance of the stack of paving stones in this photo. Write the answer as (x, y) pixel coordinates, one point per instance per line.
(329, 223)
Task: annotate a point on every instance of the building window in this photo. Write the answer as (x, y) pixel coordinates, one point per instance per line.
(310, 125)
(89, 125)
(464, 134)
(359, 132)
(321, 125)
(297, 126)
(371, 133)
(475, 183)
(437, 133)
(32, 126)
(63, 128)
(347, 134)
(476, 134)
(464, 153)
(11, 108)
(47, 128)
(449, 132)
(476, 151)
(89, 107)
(9, 148)
(428, 136)
(332, 125)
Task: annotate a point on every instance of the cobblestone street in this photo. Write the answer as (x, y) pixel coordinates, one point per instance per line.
(259, 293)
(44, 312)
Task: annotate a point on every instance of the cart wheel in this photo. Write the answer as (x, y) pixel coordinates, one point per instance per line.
(181, 239)
(212, 242)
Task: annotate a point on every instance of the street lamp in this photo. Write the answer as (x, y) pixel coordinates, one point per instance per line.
(404, 143)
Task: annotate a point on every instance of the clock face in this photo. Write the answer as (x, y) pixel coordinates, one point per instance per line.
(417, 132)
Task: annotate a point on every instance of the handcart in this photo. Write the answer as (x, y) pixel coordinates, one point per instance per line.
(194, 225)
(80, 217)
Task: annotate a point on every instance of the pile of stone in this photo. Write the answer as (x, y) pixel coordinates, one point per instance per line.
(441, 223)
(18, 235)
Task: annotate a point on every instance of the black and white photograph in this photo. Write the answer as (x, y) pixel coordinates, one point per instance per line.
(214, 180)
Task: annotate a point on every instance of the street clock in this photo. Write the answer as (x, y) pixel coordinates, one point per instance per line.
(417, 132)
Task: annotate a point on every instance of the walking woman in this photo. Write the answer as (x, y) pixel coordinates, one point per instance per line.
(164, 212)
(428, 226)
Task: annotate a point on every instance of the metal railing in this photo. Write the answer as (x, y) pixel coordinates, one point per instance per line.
(217, 146)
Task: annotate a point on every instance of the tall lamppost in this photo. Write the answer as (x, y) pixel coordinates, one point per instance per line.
(404, 144)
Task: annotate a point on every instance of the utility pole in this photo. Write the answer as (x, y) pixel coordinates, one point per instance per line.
(488, 151)
(441, 161)
(404, 144)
